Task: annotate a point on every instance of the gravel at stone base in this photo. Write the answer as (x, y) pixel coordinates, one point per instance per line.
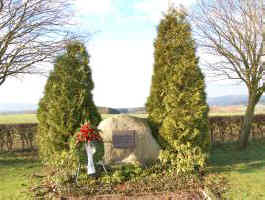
(158, 196)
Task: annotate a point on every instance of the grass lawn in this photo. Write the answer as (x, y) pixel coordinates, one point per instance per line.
(15, 172)
(244, 170)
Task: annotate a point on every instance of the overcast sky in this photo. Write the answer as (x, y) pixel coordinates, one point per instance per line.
(121, 54)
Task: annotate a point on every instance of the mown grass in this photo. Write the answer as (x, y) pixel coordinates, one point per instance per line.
(15, 172)
(244, 170)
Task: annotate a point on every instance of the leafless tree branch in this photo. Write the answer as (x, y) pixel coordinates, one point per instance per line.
(232, 33)
(31, 32)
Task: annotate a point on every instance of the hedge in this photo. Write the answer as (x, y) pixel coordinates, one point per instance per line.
(17, 137)
(223, 129)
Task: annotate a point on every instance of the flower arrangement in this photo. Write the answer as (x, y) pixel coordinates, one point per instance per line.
(88, 146)
(88, 134)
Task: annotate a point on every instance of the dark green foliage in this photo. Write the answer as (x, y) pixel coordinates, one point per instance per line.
(177, 105)
(67, 101)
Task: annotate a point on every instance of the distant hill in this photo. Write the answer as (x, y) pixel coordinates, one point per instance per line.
(17, 108)
(106, 110)
(228, 100)
(132, 110)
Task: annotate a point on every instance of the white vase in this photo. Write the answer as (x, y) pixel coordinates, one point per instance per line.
(90, 150)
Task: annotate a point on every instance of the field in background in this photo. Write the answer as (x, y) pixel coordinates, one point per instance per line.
(233, 110)
(18, 119)
(31, 118)
(214, 111)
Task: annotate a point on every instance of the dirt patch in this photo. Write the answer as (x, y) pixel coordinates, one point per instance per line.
(156, 196)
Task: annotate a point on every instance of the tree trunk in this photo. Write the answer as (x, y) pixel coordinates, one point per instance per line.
(248, 118)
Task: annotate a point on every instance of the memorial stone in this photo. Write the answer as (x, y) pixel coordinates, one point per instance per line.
(128, 139)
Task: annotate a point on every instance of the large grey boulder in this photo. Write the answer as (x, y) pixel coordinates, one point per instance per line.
(146, 148)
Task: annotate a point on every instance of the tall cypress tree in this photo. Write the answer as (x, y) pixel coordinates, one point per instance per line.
(67, 101)
(177, 105)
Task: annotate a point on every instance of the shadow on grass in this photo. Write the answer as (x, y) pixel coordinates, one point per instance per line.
(228, 157)
(17, 159)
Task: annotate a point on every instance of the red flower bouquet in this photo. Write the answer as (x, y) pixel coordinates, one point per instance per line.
(88, 133)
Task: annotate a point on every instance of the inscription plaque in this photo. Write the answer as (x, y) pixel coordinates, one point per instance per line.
(123, 139)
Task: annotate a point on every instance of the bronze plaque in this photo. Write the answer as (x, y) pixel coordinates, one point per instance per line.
(123, 139)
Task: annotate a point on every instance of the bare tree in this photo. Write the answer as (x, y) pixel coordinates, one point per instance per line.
(231, 32)
(31, 31)
(1, 5)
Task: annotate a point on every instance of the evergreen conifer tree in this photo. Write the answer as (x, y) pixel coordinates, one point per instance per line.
(177, 105)
(67, 101)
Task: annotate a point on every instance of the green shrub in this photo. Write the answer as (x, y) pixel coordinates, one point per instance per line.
(67, 102)
(64, 166)
(187, 160)
(177, 105)
(123, 173)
